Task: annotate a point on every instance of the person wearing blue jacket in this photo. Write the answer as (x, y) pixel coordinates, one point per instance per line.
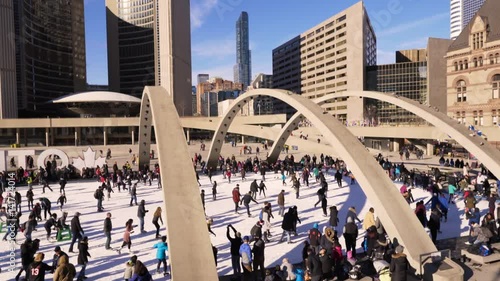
(161, 248)
(246, 259)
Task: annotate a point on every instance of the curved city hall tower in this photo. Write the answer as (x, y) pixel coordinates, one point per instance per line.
(149, 44)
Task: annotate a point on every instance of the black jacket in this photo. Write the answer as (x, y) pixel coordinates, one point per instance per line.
(334, 220)
(247, 198)
(108, 226)
(314, 265)
(326, 264)
(399, 266)
(351, 231)
(27, 253)
(235, 244)
(258, 249)
(254, 186)
(141, 211)
(287, 223)
(39, 269)
(256, 231)
(83, 253)
(75, 225)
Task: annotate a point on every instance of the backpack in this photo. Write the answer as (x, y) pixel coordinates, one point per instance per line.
(96, 196)
(484, 251)
(314, 236)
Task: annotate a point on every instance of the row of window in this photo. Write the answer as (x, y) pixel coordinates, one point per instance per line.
(461, 89)
(477, 62)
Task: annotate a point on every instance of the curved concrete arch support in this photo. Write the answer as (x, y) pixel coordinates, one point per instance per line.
(397, 218)
(479, 147)
(181, 196)
(284, 134)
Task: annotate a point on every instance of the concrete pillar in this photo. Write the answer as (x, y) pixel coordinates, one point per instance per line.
(243, 139)
(47, 137)
(430, 149)
(105, 136)
(18, 138)
(76, 136)
(133, 136)
(395, 145)
(188, 136)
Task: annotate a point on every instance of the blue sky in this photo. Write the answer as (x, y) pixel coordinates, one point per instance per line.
(399, 24)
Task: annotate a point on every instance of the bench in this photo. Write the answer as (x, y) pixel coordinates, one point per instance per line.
(495, 256)
(64, 235)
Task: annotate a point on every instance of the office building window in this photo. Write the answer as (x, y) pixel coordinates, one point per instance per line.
(475, 118)
(456, 66)
(494, 117)
(480, 61)
(495, 86)
(475, 62)
(480, 118)
(466, 64)
(461, 91)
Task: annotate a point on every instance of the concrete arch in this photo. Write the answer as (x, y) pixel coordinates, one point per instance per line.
(158, 109)
(398, 220)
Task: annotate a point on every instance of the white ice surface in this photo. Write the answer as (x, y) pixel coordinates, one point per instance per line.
(108, 265)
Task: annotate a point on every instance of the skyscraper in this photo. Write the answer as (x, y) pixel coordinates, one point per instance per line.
(43, 46)
(202, 78)
(149, 44)
(461, 12)
(330, 57)
(243, 67)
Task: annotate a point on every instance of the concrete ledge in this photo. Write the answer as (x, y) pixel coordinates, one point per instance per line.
(447, 270)
(495, 256)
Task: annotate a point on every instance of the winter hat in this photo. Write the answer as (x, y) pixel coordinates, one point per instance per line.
(315, 225)
(57, 249)
(399, 249)
(246, 238)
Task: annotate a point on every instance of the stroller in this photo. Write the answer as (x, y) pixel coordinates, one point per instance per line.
(383, 271)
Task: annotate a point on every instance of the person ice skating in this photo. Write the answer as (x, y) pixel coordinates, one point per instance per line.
(369, 220)
(49, 224)
(161, 248)
(235, 247)
(45, 184)
(324, 204)
(61, 201)
(83, 255)
(129, 229)
(247, 198)
(350, 236)
(281, 203)
(76, 231)
(351, 215)
(37, 269)
(259, 257)
(338, 178)
(287, 226)
(46, 206)
(315, 237)
(62, 185)
(254, 187)
(109, 189)
(262, 188)
(29, 198)
(236, 198)
(108, 227)
(202, 195)
(133, 194)
(214, 190)
(141, 213)
(141, 273)
(28, 250)
(334, 220)
(99, 196)
(17, 201)
(156, 217)
(129, 268)
(65, 270)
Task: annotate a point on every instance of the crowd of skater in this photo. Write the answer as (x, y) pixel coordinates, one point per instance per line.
(322, 256)
(20, 224)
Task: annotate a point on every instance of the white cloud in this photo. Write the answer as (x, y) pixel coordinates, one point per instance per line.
(411, 25)
(214, 48)
(200, 10)
(385, 57)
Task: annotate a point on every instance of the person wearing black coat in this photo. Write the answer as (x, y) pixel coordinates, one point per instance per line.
(235, 249)
(399, 265)
(28, 250)
(326, 264)
(76, 231)
(350, 235)
(258, 257)
(141, 213)
(83, 255)
(314, 266)
(295, 216)
(334, 220)
(108, 226)
(338, 178)
(287, 225)
(247, 198)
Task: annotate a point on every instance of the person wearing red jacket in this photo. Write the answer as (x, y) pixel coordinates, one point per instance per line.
(236, 198)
